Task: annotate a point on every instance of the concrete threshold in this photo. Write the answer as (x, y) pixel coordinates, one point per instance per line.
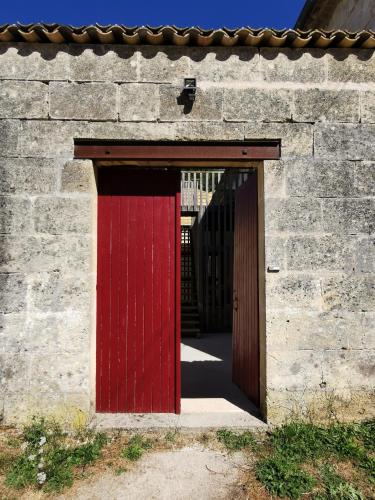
(192, 421)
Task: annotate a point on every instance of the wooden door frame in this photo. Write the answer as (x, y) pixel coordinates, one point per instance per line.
(237, 154)
(192, 151)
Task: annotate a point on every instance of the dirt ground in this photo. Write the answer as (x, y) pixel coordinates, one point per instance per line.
(183, 474)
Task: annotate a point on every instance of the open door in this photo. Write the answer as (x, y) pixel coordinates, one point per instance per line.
(245, 290)
(138, 291)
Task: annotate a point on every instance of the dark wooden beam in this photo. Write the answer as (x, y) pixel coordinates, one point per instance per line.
(260, 150)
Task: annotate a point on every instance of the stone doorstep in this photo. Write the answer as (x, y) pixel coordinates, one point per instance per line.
(185, 421)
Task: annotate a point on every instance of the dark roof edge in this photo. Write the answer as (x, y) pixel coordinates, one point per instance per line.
(315, 13)
(305, 13)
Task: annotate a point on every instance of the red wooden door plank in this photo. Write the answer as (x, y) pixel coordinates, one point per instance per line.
(245, 289)
(137, 298)
(177, 346)
(157, 307)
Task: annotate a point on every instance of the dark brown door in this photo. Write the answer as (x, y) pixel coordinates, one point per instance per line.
(138, 292)
(245, 290)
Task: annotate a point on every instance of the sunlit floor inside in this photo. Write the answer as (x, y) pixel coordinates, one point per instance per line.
(210, 399)
(206, 377)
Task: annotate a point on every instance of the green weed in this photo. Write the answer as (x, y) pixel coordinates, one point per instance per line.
(50, 456)
(283, 478)
(119, 471)
(336, 488)
(136, 447)
(171, 436)
(236, 442)
(296, 443)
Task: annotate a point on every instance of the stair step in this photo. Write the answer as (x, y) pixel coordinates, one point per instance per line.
(190, 331)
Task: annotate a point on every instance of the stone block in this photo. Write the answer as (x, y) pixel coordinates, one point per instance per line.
(224, 64)
(328, 370)
(208, 131)
(275, 252)
(78, 176)
(12, 328)
(23, 99)
(365, 255)
(139, 102)
(349, 216)
(58, 333)
(320, 253)
(84, 101)
(344, 141)
(322, 178)
(293, 65)
(316, 105)
(15, 215)
(364, 178)
(293, 292)
(57, 292)
(27, 175)
(319, 405)
(251, 104)
(314, 330)
(110, 63)
(31, 254)
(293, 370)
(67, 373)
(51, 139)
(352, 369)
(164, 65)
(297, 215)
(368, 326)
(12, 293)
(36, 61)
(156, 131)
(175, 106)
(296, 138)
(153, 131)
(14, 372)
(59, 215)
(9, 133)
(348, 65)
(349, 293)
(274, 178)
(368, 107)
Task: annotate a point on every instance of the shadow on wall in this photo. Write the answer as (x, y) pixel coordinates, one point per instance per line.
(49, 52)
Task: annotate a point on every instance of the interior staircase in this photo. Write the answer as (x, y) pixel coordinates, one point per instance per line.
(189, 305)
(190, 320)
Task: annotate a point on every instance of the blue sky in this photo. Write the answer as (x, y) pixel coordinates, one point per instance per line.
(204, 13)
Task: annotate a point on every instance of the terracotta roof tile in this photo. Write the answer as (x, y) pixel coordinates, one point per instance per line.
(193, 36)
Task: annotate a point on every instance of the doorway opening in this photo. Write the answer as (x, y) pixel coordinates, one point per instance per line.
(215, 250)
(139, 267)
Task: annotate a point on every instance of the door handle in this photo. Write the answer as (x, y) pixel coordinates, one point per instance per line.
(235, 303)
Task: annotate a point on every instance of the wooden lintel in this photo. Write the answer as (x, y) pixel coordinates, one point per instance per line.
(262, 150)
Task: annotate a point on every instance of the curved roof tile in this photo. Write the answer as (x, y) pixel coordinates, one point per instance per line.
(193, 36)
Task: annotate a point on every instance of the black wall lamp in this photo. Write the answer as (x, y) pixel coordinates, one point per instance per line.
(190, 88)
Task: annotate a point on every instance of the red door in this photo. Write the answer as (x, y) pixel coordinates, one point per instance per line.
(138, 291)
(245, 290)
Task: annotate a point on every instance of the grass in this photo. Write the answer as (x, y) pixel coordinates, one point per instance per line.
(296, 460)
(304, 460)
(50, 459)
(235, 442)
(135, 448)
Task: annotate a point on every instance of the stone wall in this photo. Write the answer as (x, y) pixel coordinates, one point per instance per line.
(350, 15)
(319, 207)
